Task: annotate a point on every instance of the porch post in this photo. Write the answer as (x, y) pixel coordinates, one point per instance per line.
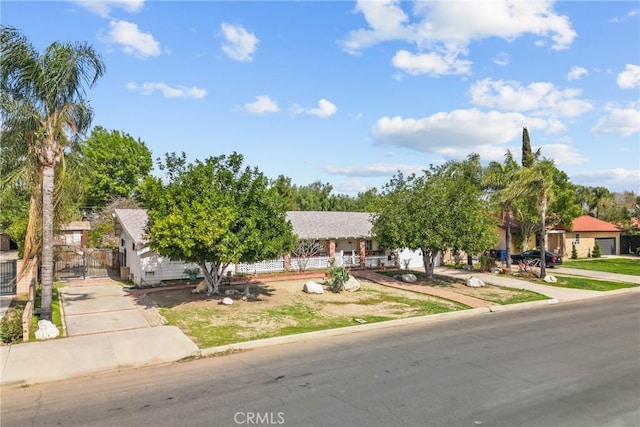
(332, 249)
(362, 252)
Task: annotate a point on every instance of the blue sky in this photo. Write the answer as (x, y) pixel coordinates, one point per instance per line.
(351, 92)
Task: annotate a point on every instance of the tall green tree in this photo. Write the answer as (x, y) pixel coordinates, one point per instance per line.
(497, 179)
(43, 101)
(114, 163)
(214, 213)
(527, 153)
(438, 210)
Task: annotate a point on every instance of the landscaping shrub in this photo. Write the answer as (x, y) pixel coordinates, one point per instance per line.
(487, 262)
(596, 251)
(339, 275)
(11, 326)
(574, 251)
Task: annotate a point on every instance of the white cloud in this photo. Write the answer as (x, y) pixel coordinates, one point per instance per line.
(133, 41)
(387, 22)
(614, 179)
(430, 63)
(352, 186)
(630, 77)
(167, 91)
(622, 121)
(576, 73)
(540, 98)
(443, 29)
(325, 109)
(262, 105)
(103, 8)
(239, 44)
(376, 169)
(563, 154)
(501, 59)
(456, 133)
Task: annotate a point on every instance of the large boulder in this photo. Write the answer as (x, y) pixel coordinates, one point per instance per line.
(226, 301)
(474, 282)
(312, 287)
(46, 330)
(352, 284)
(550, 279)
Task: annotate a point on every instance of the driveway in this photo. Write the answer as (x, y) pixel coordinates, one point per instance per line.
(99, 307)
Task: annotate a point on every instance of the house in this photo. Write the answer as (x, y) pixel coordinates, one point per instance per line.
(345, 236)
(73, 235)
(587, 231)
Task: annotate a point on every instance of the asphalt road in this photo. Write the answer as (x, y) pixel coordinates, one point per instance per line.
(572, 364)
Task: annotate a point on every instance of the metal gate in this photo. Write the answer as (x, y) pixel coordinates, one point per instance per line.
(83, 263)
(8, 275)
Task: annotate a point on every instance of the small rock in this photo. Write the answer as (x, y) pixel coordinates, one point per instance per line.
(497, 270)
(226, 301)
(474, 282)
(550, 279)
(313, 288)
(408, 278)
(352, 284)
(46, 330)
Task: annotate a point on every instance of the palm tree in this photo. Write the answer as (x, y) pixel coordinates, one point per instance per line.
(497, 179)
(43, 99)
(536, 181)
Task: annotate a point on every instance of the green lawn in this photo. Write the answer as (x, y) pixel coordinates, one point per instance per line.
(586, 283)
(609, 265)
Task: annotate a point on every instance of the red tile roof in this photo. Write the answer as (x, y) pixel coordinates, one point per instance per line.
(588, 223)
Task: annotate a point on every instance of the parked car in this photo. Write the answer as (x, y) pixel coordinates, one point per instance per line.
(551, 258)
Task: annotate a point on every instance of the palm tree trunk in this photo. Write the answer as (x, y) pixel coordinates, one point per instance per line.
(508, 237)
(543, 238)
(47, 242)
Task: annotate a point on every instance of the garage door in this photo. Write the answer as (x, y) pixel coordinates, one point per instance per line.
(607, 246)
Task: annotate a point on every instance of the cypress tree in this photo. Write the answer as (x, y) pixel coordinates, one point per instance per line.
(527, 154)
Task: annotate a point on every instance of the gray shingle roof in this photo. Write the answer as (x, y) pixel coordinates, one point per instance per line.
(330, 225)
(134, 222)
(306, 224)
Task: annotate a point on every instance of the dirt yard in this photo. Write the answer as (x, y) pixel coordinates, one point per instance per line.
(282, 308)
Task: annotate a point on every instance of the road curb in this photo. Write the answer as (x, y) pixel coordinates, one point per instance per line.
(247, 345)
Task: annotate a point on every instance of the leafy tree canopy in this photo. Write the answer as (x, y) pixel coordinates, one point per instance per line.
(114, 164)
(439, 210)
(215, 212)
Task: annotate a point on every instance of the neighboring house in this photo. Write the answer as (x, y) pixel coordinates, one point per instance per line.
(343, 235)
(587, 230)
(73, 235)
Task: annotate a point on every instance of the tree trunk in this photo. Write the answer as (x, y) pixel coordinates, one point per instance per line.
(213, 276)
(427, 260)
(543, 238)
(508, 237)
(47, 243)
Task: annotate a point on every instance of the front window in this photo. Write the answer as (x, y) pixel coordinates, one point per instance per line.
(576, 239)
(368, 245)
